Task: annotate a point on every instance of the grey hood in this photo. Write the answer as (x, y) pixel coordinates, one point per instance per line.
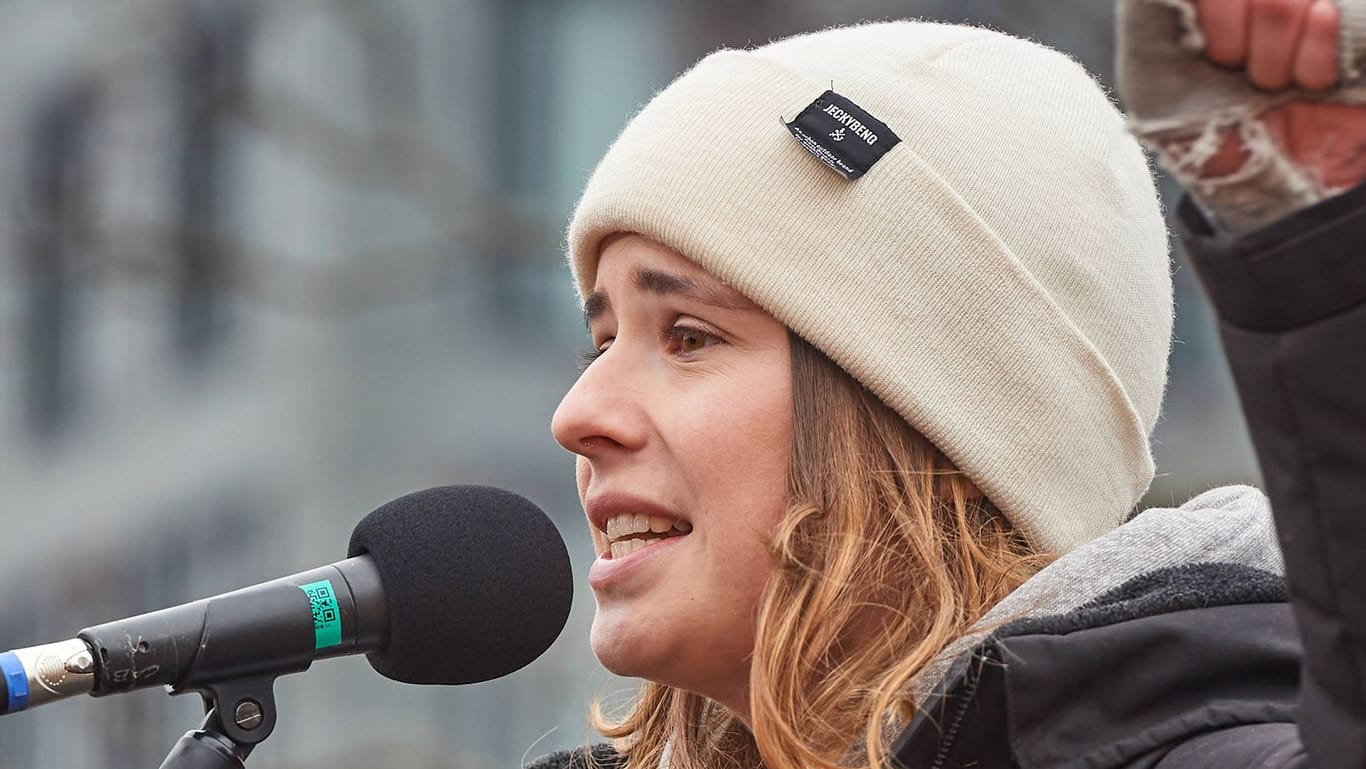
(1230, 524)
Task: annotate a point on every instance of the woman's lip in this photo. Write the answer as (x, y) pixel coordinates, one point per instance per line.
(603, 506)
(606, 572)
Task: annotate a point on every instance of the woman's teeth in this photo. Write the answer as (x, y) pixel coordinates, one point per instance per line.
(620, 549)
(621, 531)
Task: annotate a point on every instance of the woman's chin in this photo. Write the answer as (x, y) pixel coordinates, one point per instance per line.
(620, 650)
(633, 647)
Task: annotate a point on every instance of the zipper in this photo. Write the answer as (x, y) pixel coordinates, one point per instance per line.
(979, 662)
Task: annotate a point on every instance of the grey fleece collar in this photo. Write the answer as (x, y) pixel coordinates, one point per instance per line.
(1230, 524)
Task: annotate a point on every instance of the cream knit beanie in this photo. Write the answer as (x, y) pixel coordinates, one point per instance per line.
(998, 276)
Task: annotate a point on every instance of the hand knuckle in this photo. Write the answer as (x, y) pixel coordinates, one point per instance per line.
(1270, 82)
(1225, 55)
(1315, 82)
(1278, 12)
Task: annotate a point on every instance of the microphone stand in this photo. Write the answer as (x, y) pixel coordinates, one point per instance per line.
(225, 743)
(206, 748)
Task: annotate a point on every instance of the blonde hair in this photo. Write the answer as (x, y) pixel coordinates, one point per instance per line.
(885, 556)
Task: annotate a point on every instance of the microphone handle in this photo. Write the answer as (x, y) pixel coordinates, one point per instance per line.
(274, 628)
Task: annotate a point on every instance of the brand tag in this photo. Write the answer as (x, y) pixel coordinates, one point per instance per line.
(842, 135)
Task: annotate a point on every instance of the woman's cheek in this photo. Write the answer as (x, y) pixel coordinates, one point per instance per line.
(583, 473)
(600, 541)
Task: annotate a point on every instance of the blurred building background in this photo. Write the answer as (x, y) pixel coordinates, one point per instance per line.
(264, 266)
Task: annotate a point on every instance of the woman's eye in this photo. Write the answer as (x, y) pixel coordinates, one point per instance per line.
(687, 339)
(586, 357)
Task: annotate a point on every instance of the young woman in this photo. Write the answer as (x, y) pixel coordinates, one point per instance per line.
(879, 324)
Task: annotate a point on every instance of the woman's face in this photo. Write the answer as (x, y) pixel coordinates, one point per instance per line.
(683, 430)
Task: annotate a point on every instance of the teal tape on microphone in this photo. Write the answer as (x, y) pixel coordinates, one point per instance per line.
(327, 628)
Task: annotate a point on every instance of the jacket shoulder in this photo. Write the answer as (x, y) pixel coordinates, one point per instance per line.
(599, 756)
(1140, 672)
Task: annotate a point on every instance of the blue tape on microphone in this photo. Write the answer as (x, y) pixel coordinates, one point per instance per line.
(16, 681)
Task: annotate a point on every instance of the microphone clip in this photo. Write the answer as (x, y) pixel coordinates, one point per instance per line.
(238, 715)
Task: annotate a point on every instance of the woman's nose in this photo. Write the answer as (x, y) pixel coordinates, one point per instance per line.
(602, 412)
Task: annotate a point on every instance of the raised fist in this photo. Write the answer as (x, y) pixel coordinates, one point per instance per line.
(1250, 104)
(1279, 43)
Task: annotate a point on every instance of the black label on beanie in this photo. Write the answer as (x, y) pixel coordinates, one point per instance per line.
(842, 135)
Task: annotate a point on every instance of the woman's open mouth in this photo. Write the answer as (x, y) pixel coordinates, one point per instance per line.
(631, 532)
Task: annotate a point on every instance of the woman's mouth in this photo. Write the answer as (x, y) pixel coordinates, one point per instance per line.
(629, 532)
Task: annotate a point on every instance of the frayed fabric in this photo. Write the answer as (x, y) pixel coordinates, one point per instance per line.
(1352, 54)
(1192, 37)
(1179, 105)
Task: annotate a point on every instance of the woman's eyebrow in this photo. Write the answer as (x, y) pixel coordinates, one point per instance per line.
(664, 283)
(594, 306)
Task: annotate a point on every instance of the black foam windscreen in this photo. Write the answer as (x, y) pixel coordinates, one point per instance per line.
(477, 580)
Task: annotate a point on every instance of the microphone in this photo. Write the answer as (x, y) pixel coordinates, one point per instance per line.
(452, 585)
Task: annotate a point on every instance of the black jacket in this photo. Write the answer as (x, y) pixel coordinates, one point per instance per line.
(1292, 305)
(1206, 665)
